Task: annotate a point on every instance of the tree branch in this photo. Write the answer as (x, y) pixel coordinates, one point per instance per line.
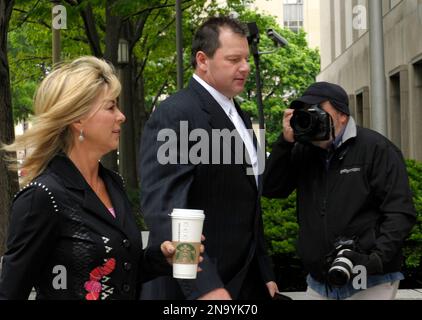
(39, 22)
(160, 92)
(270, 94)
(72, 2)
(144, 63)
(28, 13)
(145, 39)
(28, 58)
(33, 77)
(91, 30)
(78, 39)
(169, 24)
(153, 8)
(139, 29)
(20, 10)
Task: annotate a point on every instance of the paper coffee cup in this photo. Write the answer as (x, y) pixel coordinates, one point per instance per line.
(186, 235)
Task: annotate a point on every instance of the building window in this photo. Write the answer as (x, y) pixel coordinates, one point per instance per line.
(362, 108)
(293, 15)
(359, 109)
(416, 106)
(395, 110)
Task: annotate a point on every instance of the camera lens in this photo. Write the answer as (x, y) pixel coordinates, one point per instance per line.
(311, 123)
(302, 120)
(338, 277)
(341, 270)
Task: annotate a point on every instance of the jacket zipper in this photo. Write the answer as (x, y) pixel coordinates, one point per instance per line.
(324, 206)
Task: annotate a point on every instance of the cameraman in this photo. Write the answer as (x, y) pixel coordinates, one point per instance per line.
(352, 185)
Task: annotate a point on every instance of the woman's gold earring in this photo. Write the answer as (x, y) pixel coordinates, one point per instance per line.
(81, 136)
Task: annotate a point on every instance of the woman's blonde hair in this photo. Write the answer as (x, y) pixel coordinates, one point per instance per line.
(65, 96)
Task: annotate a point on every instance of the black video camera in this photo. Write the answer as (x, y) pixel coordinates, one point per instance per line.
(341, 268)
(311, 124)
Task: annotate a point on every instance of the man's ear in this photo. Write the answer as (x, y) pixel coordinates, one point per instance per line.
(202, 61)
(344, 118)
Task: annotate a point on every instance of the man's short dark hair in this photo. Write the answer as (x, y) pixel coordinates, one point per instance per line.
(206, 38)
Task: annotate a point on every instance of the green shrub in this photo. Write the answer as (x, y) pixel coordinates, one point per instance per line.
(413, 245)
(280, 224)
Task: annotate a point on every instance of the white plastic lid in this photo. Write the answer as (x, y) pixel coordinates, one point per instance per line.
(188, 214)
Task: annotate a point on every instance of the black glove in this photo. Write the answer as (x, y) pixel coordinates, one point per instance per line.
(372, 262)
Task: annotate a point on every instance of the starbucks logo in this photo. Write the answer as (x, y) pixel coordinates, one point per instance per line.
(185, 253)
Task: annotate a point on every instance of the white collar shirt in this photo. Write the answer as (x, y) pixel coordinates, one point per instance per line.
(229, 108)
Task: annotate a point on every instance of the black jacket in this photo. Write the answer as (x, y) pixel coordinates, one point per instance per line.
(233, 223)
(363, 191)
(62, 239)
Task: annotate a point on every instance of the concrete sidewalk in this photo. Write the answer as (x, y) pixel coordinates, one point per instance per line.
(414, 294)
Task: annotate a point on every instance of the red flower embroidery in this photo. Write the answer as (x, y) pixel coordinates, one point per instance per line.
(93, 286)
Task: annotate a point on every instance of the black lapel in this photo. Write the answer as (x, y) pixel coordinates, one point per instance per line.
(65, 169)
(218, 119)
(94, 205)
(117, 197)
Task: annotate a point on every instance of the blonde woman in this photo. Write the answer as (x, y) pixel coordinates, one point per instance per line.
(72, 234)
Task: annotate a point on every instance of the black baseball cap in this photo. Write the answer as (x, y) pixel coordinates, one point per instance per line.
(324, 91)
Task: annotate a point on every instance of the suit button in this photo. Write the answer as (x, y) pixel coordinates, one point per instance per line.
(126, 243)
(126, 287)
(127, 266)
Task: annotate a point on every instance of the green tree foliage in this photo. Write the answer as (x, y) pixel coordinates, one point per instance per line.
(28, 40)
(285, 73)
(30, 43)
(152, 42)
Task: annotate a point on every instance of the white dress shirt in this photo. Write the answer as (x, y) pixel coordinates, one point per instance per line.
(230, 110)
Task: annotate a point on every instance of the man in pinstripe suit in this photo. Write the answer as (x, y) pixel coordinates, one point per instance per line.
(236, 265)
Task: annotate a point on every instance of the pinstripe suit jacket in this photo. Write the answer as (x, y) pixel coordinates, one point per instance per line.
(233, 224)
